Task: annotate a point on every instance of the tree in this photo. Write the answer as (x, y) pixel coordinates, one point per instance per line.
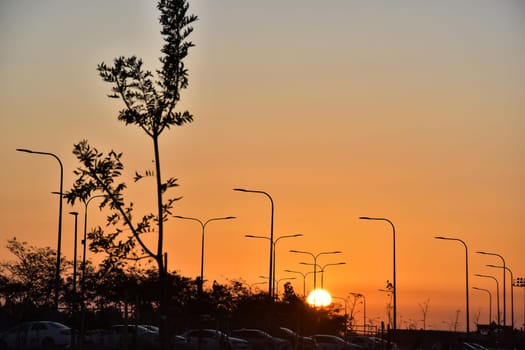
(31, 276)
(149, 103)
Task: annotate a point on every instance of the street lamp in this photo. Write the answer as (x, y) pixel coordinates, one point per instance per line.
(83, 280)
(394, 291)
(360, 295)
(84, 241)
(271, 279)
(304, 278)
(203, 225)
(274, 250)
(75, 214)
(59, 240)
(282, 279)
(511, 289)
(504, 286)
(497, 291)
(254, 284)
(322, 269)
(315, 256)
(466, 275)
(490, 302)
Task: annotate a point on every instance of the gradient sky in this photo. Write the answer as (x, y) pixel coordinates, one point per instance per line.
(411, 110)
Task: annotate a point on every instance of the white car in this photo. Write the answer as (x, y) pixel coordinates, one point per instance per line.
(212, 339)
(330, 342)
(35, 334)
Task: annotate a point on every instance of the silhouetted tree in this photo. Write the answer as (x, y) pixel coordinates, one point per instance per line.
(150, 104)
(30, 278)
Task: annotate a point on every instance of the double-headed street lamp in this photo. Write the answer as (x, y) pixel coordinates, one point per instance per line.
(59, 240)
(304, 279)
(315, 256)
(282, 279)
(394, 285)
(511, 289)
(322, 269)
(466, 276)
(274, 251)
(203, 225)
(271, 279)
(497, 292)
(490, 302)
(504, 285)
(84, 241)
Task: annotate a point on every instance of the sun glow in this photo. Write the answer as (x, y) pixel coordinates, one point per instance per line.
(319, 297)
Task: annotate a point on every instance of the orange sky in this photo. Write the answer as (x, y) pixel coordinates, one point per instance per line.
(338, 109)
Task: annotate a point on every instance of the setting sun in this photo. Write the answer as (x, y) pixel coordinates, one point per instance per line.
(319, 297)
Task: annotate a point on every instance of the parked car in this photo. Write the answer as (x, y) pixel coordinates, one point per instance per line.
(371, 343)
(330, 342)
(136, 335)
(299, 342)
(212, 339)
(260, 340)
(34, 334)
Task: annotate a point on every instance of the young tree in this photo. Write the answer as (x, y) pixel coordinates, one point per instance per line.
(149, 103)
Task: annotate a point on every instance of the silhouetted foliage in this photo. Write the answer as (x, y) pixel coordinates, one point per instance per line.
(149, 103)
(31, 277)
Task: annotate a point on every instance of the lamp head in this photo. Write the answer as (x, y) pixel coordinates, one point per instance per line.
(73, 213)
(24, 150)
(240, 189)
(365, 218)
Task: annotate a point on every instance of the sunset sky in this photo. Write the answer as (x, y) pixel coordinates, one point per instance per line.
(409, 110)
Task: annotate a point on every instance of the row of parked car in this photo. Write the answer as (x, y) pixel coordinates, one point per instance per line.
(52, 335)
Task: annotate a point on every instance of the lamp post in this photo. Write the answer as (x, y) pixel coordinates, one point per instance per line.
(203, 225)
(83, 279)
(84, 241)
(520, 282)
(322, 269)
(504, 286)
(497, 292)
(315, 256)
(304, 279)
(274, 250)
(254, 284)
(270, 280)
(511, 290)
(466, 276)
(360, 295)
(59, 240)
(282, 279)
(394, 290)
(490, 302)
(75, 214)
